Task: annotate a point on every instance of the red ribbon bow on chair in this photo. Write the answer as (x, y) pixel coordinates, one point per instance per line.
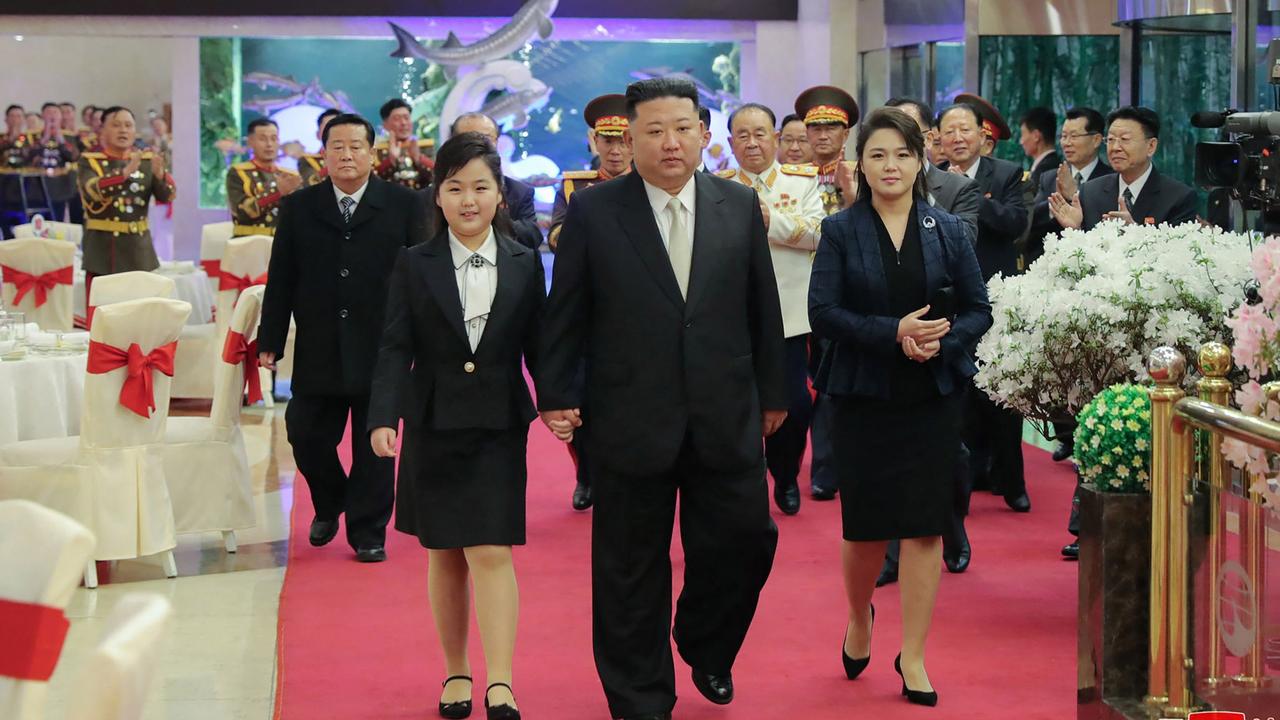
(237, 350)
(42, 284)
(33, 640)
(138, 391)
(212, 268)
(240, 283)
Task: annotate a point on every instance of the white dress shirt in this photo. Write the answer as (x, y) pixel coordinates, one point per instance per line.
(658, 200)
(338, 195)
(1135, 188)
(1087, 171)
(972, 172)
(477, 276)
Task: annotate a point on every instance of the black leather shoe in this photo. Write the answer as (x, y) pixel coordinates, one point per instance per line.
(888, 574)
(1072, 551)
(582, 498)
(371, 554)
(455, 710)
(817, 492)
(1021, 503)
(499, 712)
(916, 697)
(787, 497)
(1062, 451)
(716, 688)
(957, 558)
(653, 716)
(322, 531)
(853, 667)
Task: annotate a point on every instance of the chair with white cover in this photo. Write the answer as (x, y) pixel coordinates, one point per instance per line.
(244, 265)
(213, 242)
(132, 285)
(116, 678)
(43, 555)
(111, 476)
(38, 275)
(54, 230)
(204, 457)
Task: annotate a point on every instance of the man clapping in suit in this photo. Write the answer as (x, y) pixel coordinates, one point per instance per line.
(664, 287)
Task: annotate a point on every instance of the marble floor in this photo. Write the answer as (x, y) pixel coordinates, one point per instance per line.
(218, 660)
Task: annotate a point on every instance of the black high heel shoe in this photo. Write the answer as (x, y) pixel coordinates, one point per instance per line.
(503, 711)
(854, 667)
(455, 710)
(917, 697)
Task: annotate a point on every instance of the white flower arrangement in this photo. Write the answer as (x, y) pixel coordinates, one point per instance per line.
(1089, 311)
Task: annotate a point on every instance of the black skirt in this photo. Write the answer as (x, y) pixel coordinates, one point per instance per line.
(461, 488)
(895, 463)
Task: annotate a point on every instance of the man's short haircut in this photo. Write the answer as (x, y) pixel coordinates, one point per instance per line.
(1146, 117)
(1043, 120)
(260, 122)
(48, 105)
(922, 107)
(704, 114)
(453, 129)
(327, 113)
(790, 119)
(108, 112)
(347, 119)
(964, 107)
(391, 106)
(643, 91)
(773, 119)
(13, 107)
(1093, 120)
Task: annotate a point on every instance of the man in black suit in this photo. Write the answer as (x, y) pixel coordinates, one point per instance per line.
(517, 195)
(993, 434)
(1136, 192)
(664, 287)
(335, 244)
(1038, 127)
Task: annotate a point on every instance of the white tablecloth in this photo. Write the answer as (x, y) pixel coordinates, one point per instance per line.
(192, 287)
(40, 396)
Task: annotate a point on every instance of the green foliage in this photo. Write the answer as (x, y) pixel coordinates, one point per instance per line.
(1113, 440)
(219, 114)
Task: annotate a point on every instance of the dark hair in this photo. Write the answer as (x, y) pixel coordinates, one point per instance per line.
(261, 122)
(886, 118)
(1093, 120)
(97, 110)
(108, 112)
(1042, 120)
(67, 104)
(90, 106)
(966, 107)
(13, 107)
(643, 91)
(453, 129)
(773, 120)
(1146, 117)
(788, 120)
(347, 119)
(48, 105)
(331, 112)
(391, 106)
(922, 108)
(452, 156)
(704, 114)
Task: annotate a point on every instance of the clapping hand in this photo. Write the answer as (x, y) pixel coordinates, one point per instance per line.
(764, 210)
(562, 422)
(1124, 214)
(135, 162)
(1066, 181)
(1068, 213)
(846, 180)
(288, 182)
(157, 163)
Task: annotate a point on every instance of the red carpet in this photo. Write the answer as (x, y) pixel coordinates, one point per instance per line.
(357, 641)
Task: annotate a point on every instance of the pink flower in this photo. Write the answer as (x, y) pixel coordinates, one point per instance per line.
(1265, 264)
(1253, 330)
(1249, 398)
(1244, 456)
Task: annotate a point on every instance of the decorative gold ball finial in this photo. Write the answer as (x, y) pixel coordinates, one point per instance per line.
(1167, 366)
(1215, 360)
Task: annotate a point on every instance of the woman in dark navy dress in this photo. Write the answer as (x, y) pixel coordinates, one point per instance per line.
(462, 314)
(897, 369)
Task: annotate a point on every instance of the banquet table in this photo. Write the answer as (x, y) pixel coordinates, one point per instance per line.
(41, 396)
(189, 285)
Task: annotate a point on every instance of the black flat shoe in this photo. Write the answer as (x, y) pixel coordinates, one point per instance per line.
(499, 712)
(1072, 551)
(716, 688)
(787, 498)
(654, 716)
(819, 493)
(455, 710)
(916, 697)
(1021, 503)
(371, 554)
(323, 531)
(582, 499)
(1062, 452)
(854, 667)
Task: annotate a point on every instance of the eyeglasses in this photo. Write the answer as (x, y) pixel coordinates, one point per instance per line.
(1122, 140)
(786, 140)
(1072, 137)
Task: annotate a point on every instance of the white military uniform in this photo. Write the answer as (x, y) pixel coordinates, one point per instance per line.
(795, 225)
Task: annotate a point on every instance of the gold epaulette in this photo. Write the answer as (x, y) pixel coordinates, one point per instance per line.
(727, 173)
(806, 170)
(246, 165)
(427, 143)
(94, 155)
(286, 171)
(581, 175)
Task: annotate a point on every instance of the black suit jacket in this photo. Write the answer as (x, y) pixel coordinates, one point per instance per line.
(1049, 165)
(427, 372)
(524, 219)
(660, 368)
(331, 277)
(1162, 200)
(1002, 216)
(1042, 222)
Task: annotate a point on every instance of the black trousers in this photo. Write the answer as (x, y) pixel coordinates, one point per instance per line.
(784, 450)
(822, 473)
(994, 437)
(315, 424)
(581, 458)
(729, 542)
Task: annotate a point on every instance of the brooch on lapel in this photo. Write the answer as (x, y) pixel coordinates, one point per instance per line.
(929, 222)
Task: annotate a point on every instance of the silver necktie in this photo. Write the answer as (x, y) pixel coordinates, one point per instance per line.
(679, 245)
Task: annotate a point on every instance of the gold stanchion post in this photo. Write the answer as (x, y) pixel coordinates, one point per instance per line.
(1167, 368)
(1215, 363)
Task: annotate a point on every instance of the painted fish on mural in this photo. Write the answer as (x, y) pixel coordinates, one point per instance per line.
(511, 111)
(533, 18)
(299, 94)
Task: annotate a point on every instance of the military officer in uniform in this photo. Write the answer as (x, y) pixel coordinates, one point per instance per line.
(399, 156)
(828, 113)
(606, 118)
(311, 165)
(15, 146)
(54, 153)
(255, 187)
(117, 185)
(792, 208)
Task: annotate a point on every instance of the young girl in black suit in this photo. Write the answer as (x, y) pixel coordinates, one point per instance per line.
(462, 312)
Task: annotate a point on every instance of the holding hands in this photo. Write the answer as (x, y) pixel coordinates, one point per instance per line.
(562, 422)
(921, 339)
